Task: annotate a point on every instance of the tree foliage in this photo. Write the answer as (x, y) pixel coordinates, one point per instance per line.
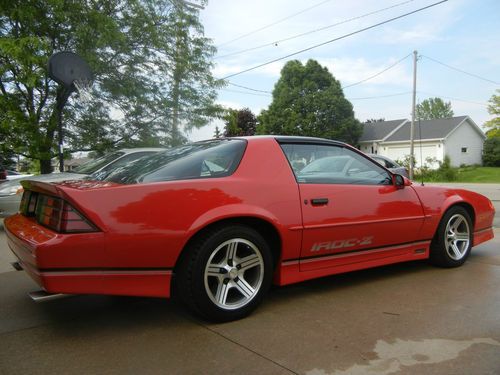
(309, 101)
(491, 152)
(150, 61)
(433, 108)
(374, 120)
(493, 125)
(239, 123)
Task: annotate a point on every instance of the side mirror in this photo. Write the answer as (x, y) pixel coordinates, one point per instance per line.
(399, 181)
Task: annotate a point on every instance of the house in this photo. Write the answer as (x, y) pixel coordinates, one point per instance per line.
(69, 165)
(457, 137)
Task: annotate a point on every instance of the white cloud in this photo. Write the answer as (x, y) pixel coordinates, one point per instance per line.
(352, 70)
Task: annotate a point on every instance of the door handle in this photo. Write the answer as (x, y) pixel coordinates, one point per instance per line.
(319, 201)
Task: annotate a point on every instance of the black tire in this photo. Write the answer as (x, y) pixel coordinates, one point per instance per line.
(237, 280)
(453, 240)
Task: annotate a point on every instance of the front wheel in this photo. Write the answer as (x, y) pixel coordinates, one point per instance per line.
(453, 241)
(226, 273)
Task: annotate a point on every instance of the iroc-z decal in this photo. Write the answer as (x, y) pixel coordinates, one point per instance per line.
(341, 244)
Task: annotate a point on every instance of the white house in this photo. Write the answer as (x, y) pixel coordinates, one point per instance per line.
(457, 137)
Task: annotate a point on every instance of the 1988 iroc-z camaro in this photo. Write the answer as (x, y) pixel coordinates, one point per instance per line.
(219, 221)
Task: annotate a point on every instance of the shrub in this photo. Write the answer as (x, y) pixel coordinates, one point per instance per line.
(491, 152)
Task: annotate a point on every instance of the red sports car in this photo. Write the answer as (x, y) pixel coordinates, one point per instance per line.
(219, 221)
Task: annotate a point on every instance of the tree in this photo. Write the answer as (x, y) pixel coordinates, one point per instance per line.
(217, 133)
(374, 120)
(309, 101)
(240, 123)
(151, 64)
(491, 152)
(493, 125)
(433, 108)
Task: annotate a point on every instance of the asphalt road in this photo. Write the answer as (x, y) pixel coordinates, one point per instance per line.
(409, 318)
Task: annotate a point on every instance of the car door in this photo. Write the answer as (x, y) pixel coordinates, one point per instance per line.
(349, 203)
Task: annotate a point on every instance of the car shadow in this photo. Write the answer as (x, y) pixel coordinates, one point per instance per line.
(91, 314)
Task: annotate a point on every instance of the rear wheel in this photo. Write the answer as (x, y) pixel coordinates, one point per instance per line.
(225, 273)
(453, 241)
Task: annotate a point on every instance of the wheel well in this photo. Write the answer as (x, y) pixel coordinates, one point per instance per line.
(266, 229)
(467, 207)
(470, 211)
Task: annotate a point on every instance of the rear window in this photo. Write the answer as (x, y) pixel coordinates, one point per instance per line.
(209, 159)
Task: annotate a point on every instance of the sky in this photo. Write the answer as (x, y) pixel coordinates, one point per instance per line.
(451, 39)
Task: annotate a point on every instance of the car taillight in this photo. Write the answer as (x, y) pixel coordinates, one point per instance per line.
(56, 214)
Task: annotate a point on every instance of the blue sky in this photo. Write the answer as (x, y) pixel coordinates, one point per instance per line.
(462, 34)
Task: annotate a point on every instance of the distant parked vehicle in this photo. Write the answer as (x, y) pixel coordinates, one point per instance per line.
(11, 191)
(13, 175)
(390, 164)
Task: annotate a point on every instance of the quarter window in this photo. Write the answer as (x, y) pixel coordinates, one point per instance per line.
(325, 164)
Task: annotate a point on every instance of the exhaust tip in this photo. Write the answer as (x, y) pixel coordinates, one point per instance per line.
(43, 296)
(17, 266)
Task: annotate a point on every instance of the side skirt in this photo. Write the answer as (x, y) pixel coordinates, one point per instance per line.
(300, 270)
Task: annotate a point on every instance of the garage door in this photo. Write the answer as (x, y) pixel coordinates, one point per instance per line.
(421, 153)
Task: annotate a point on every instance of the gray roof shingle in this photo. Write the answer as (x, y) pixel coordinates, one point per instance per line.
(376, 131)
(427, 129)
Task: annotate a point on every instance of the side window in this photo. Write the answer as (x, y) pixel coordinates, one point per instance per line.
(330, 164)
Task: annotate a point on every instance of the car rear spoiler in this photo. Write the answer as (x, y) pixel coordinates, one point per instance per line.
(41, 187)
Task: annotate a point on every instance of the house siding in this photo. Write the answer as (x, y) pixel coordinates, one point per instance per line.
(464, 136)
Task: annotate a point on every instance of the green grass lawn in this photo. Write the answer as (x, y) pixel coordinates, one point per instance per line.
(465, 174)
(479, 174)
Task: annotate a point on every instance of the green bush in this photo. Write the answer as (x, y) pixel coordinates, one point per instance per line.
(491, 152)
(445, 172)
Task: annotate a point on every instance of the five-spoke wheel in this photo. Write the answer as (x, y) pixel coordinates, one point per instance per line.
(234, 273)
(225, 273)
(452, 243)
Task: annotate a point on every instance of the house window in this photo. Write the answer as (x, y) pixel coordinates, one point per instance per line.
(464, 150)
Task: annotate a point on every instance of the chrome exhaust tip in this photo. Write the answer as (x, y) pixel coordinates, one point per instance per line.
(43, 296)
(17, 266)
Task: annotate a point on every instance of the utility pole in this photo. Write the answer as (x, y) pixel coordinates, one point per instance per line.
(412, 126)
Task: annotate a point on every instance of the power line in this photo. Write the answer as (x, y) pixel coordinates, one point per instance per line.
(275, 43)
(274, 23)
(344, 87)
(335, 39)
(449, 97)
(245, 92)
(379, 73)
(461, 71)
(249, 88)
(381, 96)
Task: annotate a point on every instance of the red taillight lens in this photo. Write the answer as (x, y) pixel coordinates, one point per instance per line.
(60, 216)
(73, 222)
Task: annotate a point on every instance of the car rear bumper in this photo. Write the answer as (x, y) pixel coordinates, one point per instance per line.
(76, 280)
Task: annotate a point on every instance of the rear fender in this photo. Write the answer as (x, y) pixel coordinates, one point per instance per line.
(290, 238)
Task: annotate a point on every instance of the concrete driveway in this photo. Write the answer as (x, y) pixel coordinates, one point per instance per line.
(409, 318)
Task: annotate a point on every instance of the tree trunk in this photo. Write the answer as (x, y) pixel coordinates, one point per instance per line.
(45, 166)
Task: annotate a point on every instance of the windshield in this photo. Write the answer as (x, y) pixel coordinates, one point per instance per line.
(208, 159)
(96, 164)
